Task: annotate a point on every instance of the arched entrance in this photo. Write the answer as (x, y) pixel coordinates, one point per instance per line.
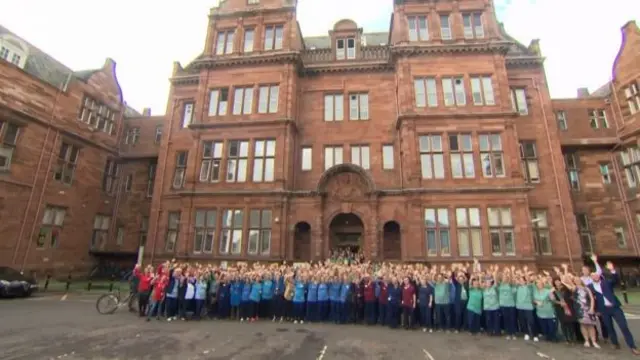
(346, 232)
(302, 242)
(391, 241)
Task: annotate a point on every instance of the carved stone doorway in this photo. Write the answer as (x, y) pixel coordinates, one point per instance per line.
(391, 241)
(302, 242)
(345, 232)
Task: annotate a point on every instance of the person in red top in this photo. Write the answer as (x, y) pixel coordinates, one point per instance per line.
(383, 300)
(369, 301)
(408, 303)
(144, 287)
(159, 284)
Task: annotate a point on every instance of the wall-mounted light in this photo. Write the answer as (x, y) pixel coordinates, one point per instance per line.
(277, 220)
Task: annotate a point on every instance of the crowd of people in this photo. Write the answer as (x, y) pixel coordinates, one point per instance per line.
(497, 301)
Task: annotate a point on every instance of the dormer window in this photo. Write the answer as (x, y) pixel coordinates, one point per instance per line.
(13, 50)
(346, 49)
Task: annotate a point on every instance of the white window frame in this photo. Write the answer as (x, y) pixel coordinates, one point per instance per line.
(540, 231)
(632, 96)
(236, 171)
(417, 32)
(211, 164)
(503, 225)
(260, 232)
(306, 155)
(482, 90)
(218, 102)
(621, 239)
(492, 154)
(333, 107)
(529, 161)
(243, 100)
(425, 90)
(561, 118)
(437, 225)
(273, 37)
(572, 162)
(469, 226)
(388, 154)
(248, 40)
(268, 96)
(204, 230)
(264, 160)
(473, 28)
(333, 155)
(188, 110)
(519, 101)
(598, 119)
(605, 173)
(445, 27)
(431, 156)
(359, 106)
(361, 156)
(224, 42)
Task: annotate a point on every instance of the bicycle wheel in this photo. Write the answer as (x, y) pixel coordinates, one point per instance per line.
(107, 304)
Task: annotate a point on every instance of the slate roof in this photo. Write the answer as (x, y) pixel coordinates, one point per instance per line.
(324, 42)
(602, 91)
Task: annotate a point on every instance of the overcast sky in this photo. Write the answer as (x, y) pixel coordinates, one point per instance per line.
(579, 38)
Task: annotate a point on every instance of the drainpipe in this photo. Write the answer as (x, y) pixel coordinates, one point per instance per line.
(161, 185)
(35, 177)
(555, 172)
(397, 98)
(119, 192)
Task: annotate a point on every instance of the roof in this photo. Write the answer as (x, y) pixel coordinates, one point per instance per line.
(602, 91)
(41, 65)
(324, 42)
(130, 112)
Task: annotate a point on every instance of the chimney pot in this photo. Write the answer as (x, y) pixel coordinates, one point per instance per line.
(583, 93)
(146, 112)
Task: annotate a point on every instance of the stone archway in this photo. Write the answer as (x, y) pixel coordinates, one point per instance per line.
(391, 241)
(346, 232)
(302, 242)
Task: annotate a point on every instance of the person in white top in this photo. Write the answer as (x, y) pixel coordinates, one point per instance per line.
(586, 271)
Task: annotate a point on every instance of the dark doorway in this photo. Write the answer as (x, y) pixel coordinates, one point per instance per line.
(302, 242)
(345, 232)
(391, 241)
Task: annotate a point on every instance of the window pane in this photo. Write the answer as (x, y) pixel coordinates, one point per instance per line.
(387, 157)
(496, 247)
(494, 216)
(474, 217)
(461, 217)
(476, 242)
(430, 217)
(505, 217)
(463, 242)
(445, 242)
(443, 217)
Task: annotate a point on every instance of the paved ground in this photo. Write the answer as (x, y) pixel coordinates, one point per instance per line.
(48, 328)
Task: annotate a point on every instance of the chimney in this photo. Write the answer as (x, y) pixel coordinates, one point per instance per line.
(583, 93)
(146, 112)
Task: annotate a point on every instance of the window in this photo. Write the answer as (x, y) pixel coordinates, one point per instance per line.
(67, 160)
(620, 238)
(248, 40)
(205, 230)
(437, 233)
(453, 89)
(519, 101)
(259, 232)
(253, 2)
(173, 226)
(9, 138)
(333, 107)
(631, 164)
(425, 92)
(151, 178)
(585, 233)
(501, 231)
(431, 157)
(52, 222)
(4, 53)
(180, 172)
(158, 134)
(445, 27)
(264, 158)
(224, 42)
(273, 37)
(491, 157)
(332, 156)
(231, 234)
(598, 119)
(307, 158)
(242, 101)
(120, 236)
(605, 173)
(218, 102)
(268, 99)
(128, 183)
(100, 231)
(211, 161)
(110, 177)
(418, 28)
(473, 26)
(97, 115)
(346, 49)
(237, 161)
(187, 114)
(482, 90)
(469, 231)
(144, 228)
(133, 135)
(561, 118)
(358, 106)
(387, 157)
(571, 161)
(360, 156)
(541, 237)
(529, 158)
(461, 156)
(632, 95)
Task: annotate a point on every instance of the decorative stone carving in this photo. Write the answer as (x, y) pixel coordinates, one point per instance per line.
(346, 186)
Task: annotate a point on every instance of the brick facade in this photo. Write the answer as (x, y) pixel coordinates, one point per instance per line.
(425, 143)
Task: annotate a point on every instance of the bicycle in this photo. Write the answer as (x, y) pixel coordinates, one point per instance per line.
(107, 304)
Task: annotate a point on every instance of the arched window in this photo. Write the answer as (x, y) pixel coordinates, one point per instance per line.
(13, 50)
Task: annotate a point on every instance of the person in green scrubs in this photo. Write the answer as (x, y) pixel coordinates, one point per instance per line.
(441, 299)
(491, 307)
(507, 299)
(474, 305)
(542, 298)
(524, 307)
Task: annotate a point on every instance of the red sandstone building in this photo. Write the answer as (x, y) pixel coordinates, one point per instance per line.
(436, 141)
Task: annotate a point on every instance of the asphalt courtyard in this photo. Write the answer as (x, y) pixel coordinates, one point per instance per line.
(55, 327)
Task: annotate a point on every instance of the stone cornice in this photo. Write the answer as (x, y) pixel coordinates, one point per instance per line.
(590, 142)
(270, 57)
(185, 80)
(455, 115)
(524, 61)
(216, 13)
(243, 123)
(452, 48)
(335, 67)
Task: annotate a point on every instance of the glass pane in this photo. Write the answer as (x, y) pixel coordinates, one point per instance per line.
(461, 217)
(198, 241)
(424, 144)
(484, 143)
(271, 148)
(266, 219)
(443, 217)
(49, 214)
(259, 148)
(445, 242)
(463, 242)
(211, 218)
(474, 217)
(494, 216)
(328, 107)
(509, 242)
(430, 217)
(431, 242)
(505, 215)
(253, 241)
(200, 218)
(476, 242)
(105, 222)
(237, 219)
(265, 242)
(436, 143)
(456, 165)
(364, 155)
(59, 217)
(236, 243)
(438, 166)
(244, 148)
(427, 172)
(496, 248)
(269, 170)
(469, 168)
(254, 219)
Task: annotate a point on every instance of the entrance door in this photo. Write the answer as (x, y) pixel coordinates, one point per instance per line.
(392, 242)
(302, 242)
(346, 232)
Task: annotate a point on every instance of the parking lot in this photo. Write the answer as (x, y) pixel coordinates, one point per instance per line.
(55, 327)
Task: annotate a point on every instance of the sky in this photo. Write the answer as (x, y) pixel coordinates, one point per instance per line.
(579, 38)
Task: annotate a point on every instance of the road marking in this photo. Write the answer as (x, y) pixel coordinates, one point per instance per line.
(324, 350)
(64, 297)
(631, 316)
(427, 354)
